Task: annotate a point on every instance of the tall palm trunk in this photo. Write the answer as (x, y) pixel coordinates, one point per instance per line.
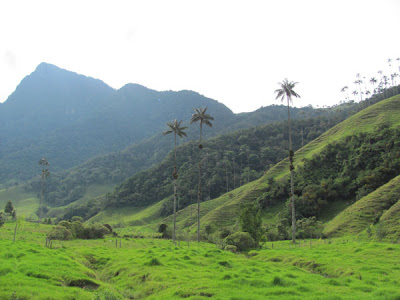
(174, 176)
(291, 167)
(199, 186)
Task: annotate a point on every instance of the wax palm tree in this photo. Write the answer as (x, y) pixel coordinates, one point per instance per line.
(373, 81)
(45, 173)
(344, 91)
(359, 81)
(201, 116)
(178, 130)
(390, 66)
(286, 90)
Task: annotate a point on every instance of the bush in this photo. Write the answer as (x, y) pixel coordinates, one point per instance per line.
(241, 240)
(95, 231)
(309, 228)
(59, 233)
(231, 248)
(78, 230)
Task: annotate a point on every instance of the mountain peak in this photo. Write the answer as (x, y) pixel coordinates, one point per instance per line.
(45, 66)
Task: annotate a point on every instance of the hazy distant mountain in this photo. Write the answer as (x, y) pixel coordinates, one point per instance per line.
(70, 118)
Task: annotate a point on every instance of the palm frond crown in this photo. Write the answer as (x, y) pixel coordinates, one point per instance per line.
(176, 128)
(201, 115)
(286, 90)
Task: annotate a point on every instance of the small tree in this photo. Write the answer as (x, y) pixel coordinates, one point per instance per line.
(250, 221)
(9, 208)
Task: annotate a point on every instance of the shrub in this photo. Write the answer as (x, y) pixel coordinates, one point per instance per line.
(59, 233)
(78, 230)
(309, 228)
(95, 231)
(154, 262)
(241, 240)
(66, 230)
(231, 248)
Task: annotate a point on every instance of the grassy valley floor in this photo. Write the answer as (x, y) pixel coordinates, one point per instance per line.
(156, 269)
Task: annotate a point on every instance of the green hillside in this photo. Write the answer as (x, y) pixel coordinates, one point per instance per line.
(25, 203)
(378, 206)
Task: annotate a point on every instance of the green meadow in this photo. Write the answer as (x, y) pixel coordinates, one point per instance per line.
(146, 268)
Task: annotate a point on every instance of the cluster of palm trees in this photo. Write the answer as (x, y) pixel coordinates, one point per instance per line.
(364, 87)
(286, 91)
(178, 130)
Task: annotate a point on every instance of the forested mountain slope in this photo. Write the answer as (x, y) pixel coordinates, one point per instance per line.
(70, 118)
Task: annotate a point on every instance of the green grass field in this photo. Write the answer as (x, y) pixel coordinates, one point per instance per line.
(156, 269)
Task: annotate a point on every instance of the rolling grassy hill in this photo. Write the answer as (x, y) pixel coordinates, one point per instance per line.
(157, 269)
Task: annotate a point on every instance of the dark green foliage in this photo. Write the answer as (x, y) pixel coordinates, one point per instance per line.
(66, 230)
(241, 240)
(154, 262)
(163, 229)
(250, 221)
(85, 210)
(9, 208)
(59, 233)
(309, 228)
(224, 263)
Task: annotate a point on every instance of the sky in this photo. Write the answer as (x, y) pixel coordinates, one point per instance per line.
(235, 52)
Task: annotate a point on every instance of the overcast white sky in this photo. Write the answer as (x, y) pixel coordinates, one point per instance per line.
(233, 51)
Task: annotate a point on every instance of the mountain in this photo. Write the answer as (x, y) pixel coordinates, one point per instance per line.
(70, 118)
